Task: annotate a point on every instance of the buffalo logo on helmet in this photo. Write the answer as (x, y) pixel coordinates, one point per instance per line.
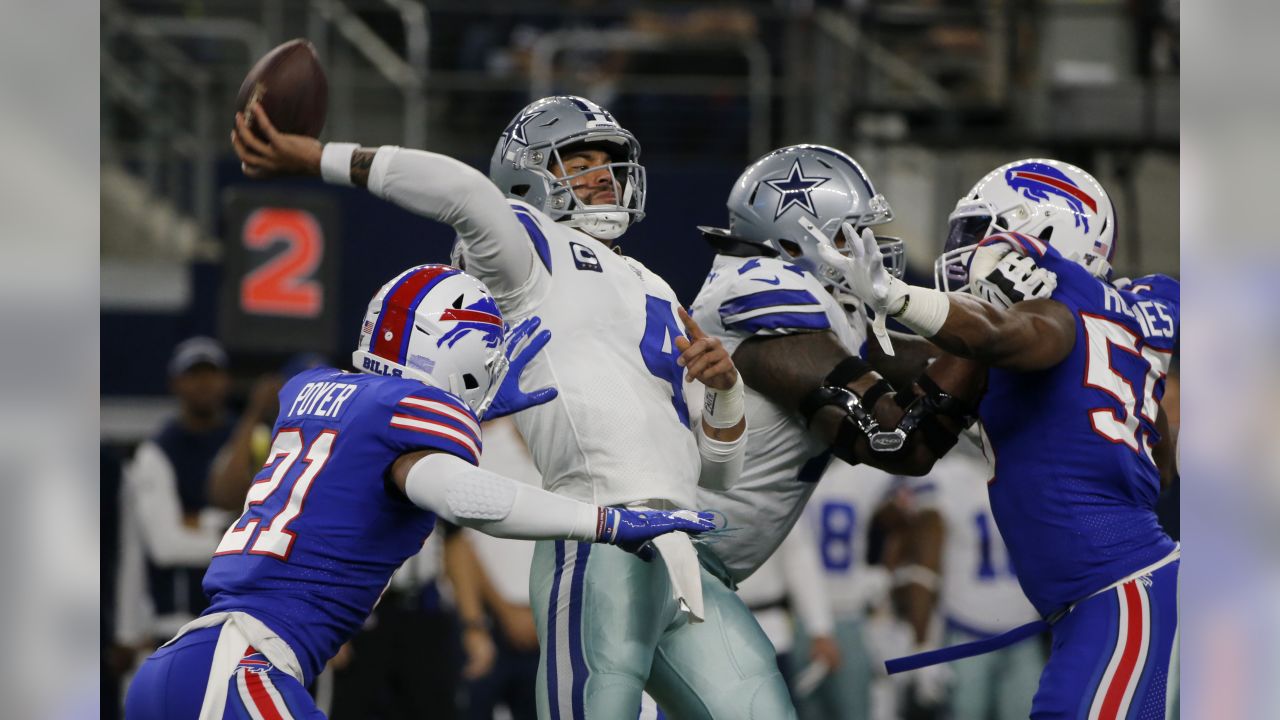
(1037, 181)
(482, 316)
(795, 188)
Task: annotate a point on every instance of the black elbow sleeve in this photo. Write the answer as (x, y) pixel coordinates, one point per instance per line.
(923, 414)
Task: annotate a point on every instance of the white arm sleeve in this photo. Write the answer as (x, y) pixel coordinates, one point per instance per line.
(721, 459)
(497, 248)
(151, 488)
(495, 505)
(805, 585)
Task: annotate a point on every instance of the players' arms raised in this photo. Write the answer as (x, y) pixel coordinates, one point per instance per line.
(466, 495)
(435, 186)
(1031, 335)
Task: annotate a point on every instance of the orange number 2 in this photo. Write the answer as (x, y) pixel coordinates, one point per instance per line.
(283, 285)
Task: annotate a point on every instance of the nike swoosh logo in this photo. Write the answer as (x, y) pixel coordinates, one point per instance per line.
(774, 281)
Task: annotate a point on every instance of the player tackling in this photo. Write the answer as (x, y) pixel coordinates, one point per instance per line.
(1068, 391)
(565, 183)
(360, 467)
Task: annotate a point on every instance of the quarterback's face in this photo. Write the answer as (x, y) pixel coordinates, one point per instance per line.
(591, 188)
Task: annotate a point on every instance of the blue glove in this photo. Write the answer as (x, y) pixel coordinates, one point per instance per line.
(521, 347)
(632, 530)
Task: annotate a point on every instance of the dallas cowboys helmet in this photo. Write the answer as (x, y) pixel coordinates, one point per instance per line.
(437, 325)
(797, 197)
(1049, 200)
(536, 140)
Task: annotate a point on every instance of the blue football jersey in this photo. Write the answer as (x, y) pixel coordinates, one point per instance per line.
(324, 527)
(1075, 484)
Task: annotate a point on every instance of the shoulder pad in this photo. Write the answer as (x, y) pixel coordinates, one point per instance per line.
(769, 294)
(1161, 287)
(424, 416)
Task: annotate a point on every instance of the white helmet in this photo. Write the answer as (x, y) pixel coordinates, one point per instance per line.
(438, 325)
(1049, 200)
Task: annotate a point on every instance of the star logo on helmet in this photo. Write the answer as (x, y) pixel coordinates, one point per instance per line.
(795, 189)
(515, 131)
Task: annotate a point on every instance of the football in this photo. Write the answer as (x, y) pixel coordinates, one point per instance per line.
(291, 85)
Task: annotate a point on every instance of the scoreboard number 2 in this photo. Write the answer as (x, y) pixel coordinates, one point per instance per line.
(284, 285)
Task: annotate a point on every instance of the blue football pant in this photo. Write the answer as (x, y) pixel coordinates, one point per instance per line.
(1111, 654)
(171, 685)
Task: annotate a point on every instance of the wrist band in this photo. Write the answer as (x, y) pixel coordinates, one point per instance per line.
(335, 163)
(924, 311)
(724, 408)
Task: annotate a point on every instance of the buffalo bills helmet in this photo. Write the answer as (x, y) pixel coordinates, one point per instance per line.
(534, 144)
(438, 325)
(797, 197)
(1048, 200)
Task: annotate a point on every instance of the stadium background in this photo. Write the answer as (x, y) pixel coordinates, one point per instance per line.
(926, 94)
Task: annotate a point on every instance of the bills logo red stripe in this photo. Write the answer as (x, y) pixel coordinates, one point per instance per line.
(476, 316)
(1065, 187)
(392, 330)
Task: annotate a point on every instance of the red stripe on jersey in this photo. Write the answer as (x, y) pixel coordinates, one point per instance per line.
(1129, 660)
(1065, 187)
(396, 308)
(447, 410)
(262, 700)
(1030, 242)
(441, 430)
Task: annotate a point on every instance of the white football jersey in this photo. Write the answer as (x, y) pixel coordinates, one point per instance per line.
(979, 590)
(840, 513)
(743, 298)
(619, 432)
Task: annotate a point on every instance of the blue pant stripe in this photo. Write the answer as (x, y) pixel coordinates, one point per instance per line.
(575, 632)
(553, 697)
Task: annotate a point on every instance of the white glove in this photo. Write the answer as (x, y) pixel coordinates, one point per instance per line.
(1013, 278)
(864, 272)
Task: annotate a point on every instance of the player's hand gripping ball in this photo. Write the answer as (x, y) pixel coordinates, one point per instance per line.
(291, 86)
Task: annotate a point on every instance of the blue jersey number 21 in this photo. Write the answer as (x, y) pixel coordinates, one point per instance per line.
(658, 348)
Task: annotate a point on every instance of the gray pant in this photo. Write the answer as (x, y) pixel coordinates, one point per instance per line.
(609, 628)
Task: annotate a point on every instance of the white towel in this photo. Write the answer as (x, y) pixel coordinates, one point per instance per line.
(238, 631)
(684, 570)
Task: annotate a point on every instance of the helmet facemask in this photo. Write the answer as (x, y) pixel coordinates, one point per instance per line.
(529, 171)
(605, 221)
(802, 249)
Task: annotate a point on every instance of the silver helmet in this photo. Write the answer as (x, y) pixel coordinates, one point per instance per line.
(534, 143)
(797, 197)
